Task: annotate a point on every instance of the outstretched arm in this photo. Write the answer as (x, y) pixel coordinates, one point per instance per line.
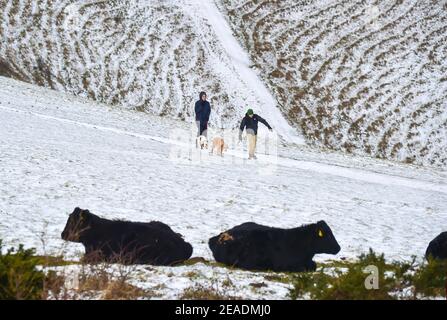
(263, 121)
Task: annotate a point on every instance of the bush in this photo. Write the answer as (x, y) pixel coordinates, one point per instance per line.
(351, 285)
(346, 281)
(19, 277)
(309, 285)
(431, 279)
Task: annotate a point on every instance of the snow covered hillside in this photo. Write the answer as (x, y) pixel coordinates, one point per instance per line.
(363, 76)
(58, 151)
(146, 55)
(368, 77)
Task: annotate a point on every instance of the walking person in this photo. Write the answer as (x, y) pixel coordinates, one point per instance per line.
(250, 122)
(202, 110)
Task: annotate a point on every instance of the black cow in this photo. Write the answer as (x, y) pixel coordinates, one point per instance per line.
(437, 248)
(124, 241)
(255, 247)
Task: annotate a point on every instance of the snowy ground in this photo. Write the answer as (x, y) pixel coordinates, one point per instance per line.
(58, 152)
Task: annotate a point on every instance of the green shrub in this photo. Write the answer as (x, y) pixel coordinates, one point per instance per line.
(430, 279)
(347, 280)
(351, 284)
(19, 277)
(310, 285)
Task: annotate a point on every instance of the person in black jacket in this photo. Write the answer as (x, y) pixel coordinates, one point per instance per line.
(203, 111)
(250, 122)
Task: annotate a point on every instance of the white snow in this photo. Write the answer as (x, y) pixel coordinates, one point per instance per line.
(58, 152)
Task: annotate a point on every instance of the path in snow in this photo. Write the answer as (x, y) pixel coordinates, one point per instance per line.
(350, 173)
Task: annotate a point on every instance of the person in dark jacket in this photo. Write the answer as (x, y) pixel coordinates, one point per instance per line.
(203, 111)
(250, 122)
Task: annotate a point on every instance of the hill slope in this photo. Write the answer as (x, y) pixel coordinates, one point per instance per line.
(367, 77)
(362, 76)
(147, 55)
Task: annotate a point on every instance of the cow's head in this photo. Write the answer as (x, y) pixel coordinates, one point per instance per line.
(77, 225)
(325, 241)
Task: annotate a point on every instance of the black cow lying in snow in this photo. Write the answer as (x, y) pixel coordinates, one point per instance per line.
(437, 248)
(124, 241)
(256, 247)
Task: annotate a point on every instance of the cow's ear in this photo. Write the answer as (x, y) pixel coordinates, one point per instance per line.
(83, 215)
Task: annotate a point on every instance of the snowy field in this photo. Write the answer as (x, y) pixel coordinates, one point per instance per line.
(58, 151)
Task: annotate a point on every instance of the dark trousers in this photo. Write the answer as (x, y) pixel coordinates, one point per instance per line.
(202, 128)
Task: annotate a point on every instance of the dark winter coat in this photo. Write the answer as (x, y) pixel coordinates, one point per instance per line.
(251, 123)
(203, 111)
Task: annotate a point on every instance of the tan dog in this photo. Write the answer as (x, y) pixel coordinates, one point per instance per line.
(219, 145)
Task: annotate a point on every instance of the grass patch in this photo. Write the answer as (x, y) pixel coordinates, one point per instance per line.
(210, 292)
(195, 260)
(119, 290)
(54, 261)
